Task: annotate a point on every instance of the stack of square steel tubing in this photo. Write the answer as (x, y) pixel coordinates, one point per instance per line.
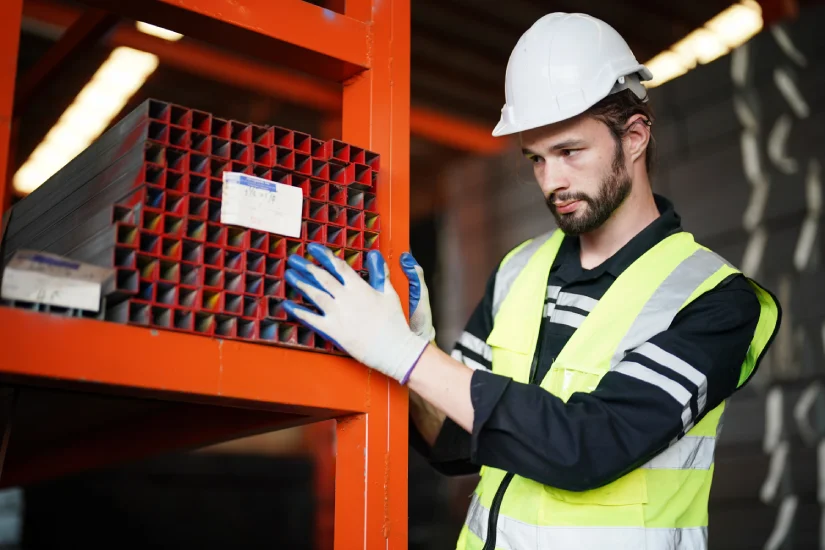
(145, 199)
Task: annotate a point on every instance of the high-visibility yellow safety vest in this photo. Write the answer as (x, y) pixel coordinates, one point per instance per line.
(662, 505)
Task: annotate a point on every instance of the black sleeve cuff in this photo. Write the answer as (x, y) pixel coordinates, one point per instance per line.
(452, 443)
(450, 455)
(486, 390)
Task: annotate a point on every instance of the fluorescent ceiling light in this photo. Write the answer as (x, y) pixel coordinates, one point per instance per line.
(704, 45)
(94, 108)
(666, 66)
(736, 24)
(160, 32)
(728, 30)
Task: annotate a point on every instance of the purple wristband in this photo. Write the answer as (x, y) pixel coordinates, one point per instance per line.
(417, 359)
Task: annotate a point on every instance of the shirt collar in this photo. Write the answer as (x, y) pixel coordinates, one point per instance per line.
(568, 262)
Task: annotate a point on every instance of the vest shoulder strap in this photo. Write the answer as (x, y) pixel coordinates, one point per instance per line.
(513, 263)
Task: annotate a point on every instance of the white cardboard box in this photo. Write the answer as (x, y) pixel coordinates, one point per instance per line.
(45, 278)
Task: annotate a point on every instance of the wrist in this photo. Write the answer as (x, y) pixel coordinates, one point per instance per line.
(411, 353)
(444, 383)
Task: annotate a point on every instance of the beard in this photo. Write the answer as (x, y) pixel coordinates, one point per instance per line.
(614, 189)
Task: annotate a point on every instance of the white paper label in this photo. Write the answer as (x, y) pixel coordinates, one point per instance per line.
(50, 279)
(261, 204)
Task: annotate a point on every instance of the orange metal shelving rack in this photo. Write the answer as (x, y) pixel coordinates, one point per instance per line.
(90, 393)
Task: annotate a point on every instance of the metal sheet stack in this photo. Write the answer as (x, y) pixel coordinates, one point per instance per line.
(145, 199)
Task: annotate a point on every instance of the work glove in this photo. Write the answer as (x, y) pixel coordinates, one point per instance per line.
(363, 318)
(421, 316)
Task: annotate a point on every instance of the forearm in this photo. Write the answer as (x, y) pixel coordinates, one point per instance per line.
(442, 441)
(444, 384)
(427, 418)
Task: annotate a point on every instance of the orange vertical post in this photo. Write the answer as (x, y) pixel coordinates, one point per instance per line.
(372, 448)
(11, 14)
(350, 482)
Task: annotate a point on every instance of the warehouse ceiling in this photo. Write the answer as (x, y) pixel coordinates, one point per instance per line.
(459, 53)
(460, 47)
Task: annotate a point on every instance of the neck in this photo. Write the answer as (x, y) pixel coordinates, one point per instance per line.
(636, 212)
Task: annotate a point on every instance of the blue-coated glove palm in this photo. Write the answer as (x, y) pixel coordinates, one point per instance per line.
(421, 316)
(364, 319)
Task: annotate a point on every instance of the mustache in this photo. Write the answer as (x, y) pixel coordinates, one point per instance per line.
(553, 198)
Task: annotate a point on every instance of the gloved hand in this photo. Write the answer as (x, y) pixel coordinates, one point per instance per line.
(421, 316)
(364, 319)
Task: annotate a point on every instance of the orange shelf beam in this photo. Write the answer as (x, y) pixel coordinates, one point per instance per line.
(294, 21)
(307, 37)
(454, 132)
(223, 66)
(138, 360)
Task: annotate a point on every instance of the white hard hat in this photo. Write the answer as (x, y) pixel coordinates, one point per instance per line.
(563, 65)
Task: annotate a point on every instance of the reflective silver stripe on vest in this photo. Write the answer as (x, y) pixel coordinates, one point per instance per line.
(475, 365)
(553, 292)
(476, 344)
(667, 359)
(517, 535)
(692, 452)
(584, 303)
(674, 389)
(564, 317)
(551, 298)
(666, 301)
(507, 273)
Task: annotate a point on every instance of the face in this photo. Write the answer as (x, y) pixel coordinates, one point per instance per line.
(581, 171)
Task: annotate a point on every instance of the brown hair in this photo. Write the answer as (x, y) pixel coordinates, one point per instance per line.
(615, 110)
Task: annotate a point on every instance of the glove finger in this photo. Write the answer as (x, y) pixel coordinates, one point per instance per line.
(317, 297)
(408, 263)
(414, 275)
(412, 269)
(378, 270)
(309, 319)
(314, 275)
(300, 265)
(302, 314)
(335, 266)
(380, 277)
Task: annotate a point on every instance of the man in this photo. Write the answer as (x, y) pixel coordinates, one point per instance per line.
(590, 383)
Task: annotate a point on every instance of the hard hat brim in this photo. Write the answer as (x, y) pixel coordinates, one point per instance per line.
(504, 128)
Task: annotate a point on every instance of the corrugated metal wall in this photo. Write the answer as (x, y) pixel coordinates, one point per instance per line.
(741, 153)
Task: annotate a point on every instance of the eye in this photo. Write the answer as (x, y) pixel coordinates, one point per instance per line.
(535, 159)
(569, 152)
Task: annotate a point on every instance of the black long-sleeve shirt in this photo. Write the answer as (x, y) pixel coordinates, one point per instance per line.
(595, 438)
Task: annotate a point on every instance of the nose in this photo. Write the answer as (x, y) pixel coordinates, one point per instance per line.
(550, 181)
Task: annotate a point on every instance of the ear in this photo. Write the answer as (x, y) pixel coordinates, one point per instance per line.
(637, 136)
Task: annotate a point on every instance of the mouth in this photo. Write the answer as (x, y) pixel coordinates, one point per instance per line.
(566, 207)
